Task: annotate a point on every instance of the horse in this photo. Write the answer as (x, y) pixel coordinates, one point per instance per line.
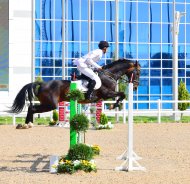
(52, 92)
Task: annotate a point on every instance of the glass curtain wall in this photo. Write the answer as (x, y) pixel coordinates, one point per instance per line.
(68, 29)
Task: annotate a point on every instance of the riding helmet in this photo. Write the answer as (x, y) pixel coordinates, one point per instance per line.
(103, 44)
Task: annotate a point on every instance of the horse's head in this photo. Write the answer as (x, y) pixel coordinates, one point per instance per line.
(133, 74)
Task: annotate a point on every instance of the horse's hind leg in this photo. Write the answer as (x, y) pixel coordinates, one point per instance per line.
(38, 109)
(29, 116)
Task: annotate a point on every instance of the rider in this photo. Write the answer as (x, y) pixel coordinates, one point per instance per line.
(89, 60)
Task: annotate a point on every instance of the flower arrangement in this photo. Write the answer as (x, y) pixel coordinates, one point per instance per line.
(70, 167)
(104, 124)
(78, 158)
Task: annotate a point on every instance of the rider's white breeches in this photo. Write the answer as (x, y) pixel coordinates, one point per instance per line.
(89, 72)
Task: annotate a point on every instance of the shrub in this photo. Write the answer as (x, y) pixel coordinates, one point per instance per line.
(76, 94)
(80, 152)
(80, 122)
(103, 119)
(55, 116)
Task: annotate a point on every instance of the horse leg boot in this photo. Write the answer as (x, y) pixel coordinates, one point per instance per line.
(91, 86)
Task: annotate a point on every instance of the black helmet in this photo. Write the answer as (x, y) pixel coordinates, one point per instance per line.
(103, 44)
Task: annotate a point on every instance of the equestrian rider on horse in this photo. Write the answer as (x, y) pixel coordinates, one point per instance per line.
(85, 64)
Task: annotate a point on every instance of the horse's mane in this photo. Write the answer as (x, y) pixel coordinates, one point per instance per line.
(119, 61)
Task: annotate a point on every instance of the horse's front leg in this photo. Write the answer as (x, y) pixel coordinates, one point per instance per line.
(121, 96)
(112, 94)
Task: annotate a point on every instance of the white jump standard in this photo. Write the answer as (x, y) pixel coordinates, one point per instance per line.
(130, 157)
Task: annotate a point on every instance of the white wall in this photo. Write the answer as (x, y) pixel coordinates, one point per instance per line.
(20, 48)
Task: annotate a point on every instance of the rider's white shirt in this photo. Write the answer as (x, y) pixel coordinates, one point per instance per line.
(89, 59)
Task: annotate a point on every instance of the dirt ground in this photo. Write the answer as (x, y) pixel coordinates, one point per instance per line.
(164, 148)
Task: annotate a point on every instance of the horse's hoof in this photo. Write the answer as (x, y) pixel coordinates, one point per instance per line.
(30, 125)
(19, 126)
(25, 126)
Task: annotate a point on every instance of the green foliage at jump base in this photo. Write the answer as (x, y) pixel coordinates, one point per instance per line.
(183, 94)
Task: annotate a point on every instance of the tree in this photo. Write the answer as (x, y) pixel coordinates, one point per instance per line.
(183, 94)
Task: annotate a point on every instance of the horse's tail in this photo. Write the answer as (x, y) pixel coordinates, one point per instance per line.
(25, 93)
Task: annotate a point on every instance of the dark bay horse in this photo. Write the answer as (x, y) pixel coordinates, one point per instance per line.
(51, 93)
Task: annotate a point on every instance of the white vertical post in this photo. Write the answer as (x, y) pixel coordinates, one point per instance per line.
(159, 111)
(124, 111)
(130, 157)
(130, 128)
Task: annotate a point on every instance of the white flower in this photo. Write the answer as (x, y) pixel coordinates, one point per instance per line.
(76, 162)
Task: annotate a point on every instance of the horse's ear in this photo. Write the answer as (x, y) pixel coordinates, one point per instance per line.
(136, 63)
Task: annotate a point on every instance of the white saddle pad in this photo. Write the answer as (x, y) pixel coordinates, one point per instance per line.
(81, 85)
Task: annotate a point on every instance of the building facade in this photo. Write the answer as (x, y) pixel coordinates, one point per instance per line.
(62, 30)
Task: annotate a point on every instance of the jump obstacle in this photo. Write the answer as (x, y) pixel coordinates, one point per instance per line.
(129, 156)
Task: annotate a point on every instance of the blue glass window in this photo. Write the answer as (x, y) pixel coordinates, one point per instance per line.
(58, 31)
(73, 31)
(47, 71)
(166, 105)
(84, 9)
(143, 87)
(37, 30)
(73, 50)
(155, 30)
(166, 86)
(144, 63)
(187, 13)
(143, 51)
(155, 12)
(155, 72)
(187, 63)
(58, 71)
(37, 49)
(37, 71)
(58, 62)
(37, 62)
(155, 63)
(131, 12)
(167, 72)
(155, 51)
(58, 9)
(58, 49)
(131, 50)
(99, 10)
(46, 79)
(143, 11)
(167, 12)
(47, 62)
(188, 51)
(181, 72)
(143, 105)
(110, 10)
(47, 9)
(181, 37)
(99, 31)
(167, 51)
(110, 32)
(155, 86)
(143, 32)
(166, 33)
(73, 10)
(131, 32)
(166, 63)
(144, 72)
(154, 105)
(47, 49)
(84, 30)
(47, 30)
(37, 9)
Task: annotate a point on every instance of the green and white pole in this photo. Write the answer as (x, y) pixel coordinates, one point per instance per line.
(75, 108)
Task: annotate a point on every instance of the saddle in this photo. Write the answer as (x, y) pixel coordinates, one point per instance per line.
(82, 81)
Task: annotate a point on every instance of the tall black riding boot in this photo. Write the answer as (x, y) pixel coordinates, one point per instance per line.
(91, 86)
